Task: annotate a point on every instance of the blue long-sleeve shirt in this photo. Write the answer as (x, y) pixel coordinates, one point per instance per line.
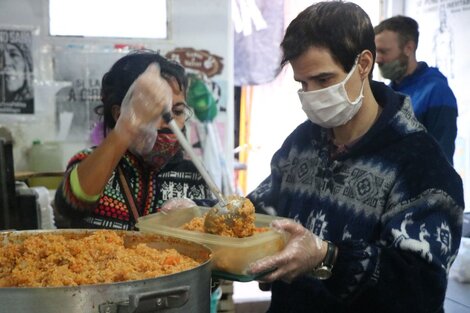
(434, 104)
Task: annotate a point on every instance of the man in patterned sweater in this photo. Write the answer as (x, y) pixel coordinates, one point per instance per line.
(133, 153)
(375, 209)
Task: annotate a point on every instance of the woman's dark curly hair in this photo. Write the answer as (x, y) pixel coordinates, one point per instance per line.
(124, 72)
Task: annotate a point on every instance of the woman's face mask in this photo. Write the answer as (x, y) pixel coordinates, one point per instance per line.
(330, 107)
(165, 148)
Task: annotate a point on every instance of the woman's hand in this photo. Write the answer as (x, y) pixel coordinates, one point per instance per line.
(302, 253)
(176, 203)
(145, 101)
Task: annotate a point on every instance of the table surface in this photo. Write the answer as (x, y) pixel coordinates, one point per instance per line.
(27, 175)
(457, 297)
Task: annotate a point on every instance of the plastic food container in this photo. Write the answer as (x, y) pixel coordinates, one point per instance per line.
(231, 256)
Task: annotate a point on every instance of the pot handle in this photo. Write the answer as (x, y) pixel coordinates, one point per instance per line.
(150, 301)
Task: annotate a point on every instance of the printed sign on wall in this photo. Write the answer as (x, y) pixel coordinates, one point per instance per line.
(16, 72)
(75, 105)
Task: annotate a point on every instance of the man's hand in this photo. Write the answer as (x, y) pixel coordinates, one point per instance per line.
(302, 253)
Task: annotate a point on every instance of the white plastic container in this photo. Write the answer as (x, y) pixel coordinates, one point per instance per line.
(46, 156)
(46, 162)
(230, 255)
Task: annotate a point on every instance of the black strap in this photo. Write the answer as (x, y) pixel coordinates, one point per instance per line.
(128, 195)
(329, 259)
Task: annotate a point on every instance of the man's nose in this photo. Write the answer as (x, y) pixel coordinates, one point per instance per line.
(379, 59)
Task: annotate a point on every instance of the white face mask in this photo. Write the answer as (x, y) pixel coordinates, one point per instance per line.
(330, 107)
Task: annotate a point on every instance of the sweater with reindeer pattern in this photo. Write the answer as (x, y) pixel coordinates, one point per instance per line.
(391, 203)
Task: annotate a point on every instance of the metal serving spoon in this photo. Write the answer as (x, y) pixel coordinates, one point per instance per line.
(228, 210)
(220, 216)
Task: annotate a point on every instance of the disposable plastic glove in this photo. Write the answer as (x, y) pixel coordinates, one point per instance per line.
(176, 203)
(145, 101)
(145, 140)
(302, 253)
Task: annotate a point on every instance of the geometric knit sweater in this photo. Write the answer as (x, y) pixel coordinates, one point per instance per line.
(391, 203)
(150, 188)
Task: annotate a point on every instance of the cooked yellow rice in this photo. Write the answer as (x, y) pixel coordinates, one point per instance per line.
(52, 260)
(243, 225)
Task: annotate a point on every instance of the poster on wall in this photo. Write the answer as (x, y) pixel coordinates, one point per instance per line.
(16, 72)
(75, 104)
(443, 43)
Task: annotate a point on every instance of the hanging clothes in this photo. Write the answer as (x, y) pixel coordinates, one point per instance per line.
(259, 28)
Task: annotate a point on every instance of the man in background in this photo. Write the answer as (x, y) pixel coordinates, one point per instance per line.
(433, 101)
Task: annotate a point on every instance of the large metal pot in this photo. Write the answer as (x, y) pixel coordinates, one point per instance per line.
(186, 291)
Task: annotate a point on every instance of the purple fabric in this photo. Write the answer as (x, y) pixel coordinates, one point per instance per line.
(97, 133)
(258, 55)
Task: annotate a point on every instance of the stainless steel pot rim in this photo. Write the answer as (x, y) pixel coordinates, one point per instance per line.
(104, 285)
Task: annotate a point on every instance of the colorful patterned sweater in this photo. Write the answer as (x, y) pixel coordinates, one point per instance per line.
(178, 179)
(391, 203)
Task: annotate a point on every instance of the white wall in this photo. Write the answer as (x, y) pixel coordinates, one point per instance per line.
(202, 25)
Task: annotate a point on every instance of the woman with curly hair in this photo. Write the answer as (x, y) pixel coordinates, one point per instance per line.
(139, 164)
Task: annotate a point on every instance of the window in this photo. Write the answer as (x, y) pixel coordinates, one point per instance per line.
(108, 18)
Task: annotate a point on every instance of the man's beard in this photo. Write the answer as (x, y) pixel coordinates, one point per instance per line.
(395, 70)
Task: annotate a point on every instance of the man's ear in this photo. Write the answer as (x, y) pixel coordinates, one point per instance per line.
(115, 112)
(409, 48)
(365, 64)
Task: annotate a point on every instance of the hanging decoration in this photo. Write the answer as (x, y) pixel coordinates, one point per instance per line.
(201, 61)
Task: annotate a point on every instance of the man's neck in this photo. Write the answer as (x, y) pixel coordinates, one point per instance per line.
(361, 122)
(412, 65)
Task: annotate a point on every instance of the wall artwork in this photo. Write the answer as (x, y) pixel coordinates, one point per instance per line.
(16, 72)
(75, 104)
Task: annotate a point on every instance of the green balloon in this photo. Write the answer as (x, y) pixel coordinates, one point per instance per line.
(202, 101)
